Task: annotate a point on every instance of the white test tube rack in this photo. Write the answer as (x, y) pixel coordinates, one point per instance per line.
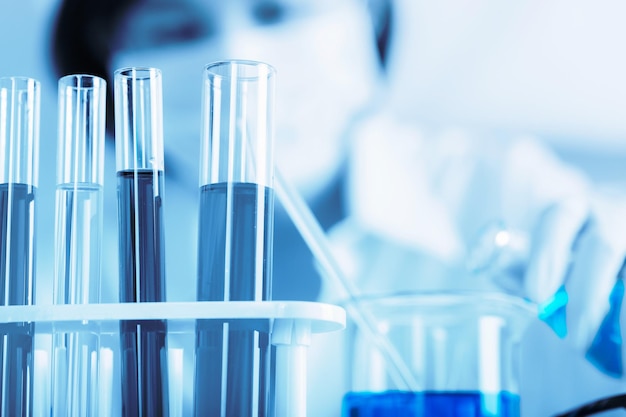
(290, 325)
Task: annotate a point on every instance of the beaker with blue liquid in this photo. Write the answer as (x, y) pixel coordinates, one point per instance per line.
(461, 347)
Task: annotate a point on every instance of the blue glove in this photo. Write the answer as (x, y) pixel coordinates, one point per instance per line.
(572, 266)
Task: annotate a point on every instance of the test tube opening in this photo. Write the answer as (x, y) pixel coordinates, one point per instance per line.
(82, 118)
(238, 115)
(139, 118)
(19, 130)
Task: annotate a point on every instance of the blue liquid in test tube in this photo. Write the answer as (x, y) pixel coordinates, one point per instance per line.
(19, 153)
(236, 233)
(17, 209)
(139, 153)
(235, 238)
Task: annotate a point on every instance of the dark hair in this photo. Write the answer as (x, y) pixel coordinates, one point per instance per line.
(83, 40)
(85, 36)
(382, 14)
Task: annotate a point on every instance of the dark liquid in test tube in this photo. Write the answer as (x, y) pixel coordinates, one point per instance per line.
(17, 203)
(233, 267)
(142, 279)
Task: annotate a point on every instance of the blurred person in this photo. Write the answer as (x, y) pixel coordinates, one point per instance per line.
(397, 196)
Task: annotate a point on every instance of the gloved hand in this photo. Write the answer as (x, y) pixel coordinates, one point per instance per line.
(572, 264)
(562, 244)
(571, 245)
(576, 259)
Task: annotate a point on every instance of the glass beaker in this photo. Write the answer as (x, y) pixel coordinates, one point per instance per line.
(462, 348)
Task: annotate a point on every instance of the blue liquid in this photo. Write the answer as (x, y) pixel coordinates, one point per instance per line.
(431, 404)
(605, 351)
(17, 269)
(234, 265)
(553, 312)
(142, 279)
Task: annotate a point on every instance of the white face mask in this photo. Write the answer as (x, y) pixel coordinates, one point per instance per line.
(327, 71)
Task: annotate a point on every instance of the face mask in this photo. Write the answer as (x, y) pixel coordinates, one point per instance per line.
(327, 70)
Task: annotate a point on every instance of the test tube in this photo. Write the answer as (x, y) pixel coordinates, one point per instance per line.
(235, 234)
(139, 162)
(19, 159)
(78, 236)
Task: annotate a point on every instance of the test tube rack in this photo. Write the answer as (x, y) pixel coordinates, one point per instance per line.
(290, 325)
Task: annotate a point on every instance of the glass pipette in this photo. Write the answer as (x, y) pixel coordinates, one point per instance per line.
(316, 239)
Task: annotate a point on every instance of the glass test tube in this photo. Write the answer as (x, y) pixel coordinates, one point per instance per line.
(235, 234)
(78, 236)
(139, 161)
(19, 159)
